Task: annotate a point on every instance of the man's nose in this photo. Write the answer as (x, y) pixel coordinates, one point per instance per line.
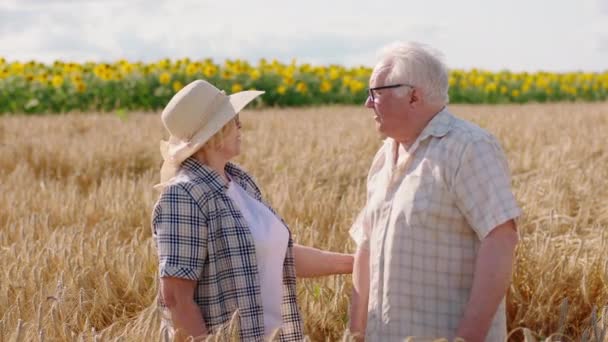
(369, 103)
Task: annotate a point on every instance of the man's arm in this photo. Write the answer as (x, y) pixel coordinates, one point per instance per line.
(360, 296)
(491, 281)
(313, 262)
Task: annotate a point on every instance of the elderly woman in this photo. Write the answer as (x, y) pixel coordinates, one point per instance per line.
(221, 247)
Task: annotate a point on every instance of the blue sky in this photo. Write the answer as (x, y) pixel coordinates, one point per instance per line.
(520, 35)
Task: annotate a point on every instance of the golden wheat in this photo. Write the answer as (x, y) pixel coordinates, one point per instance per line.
(78, 262)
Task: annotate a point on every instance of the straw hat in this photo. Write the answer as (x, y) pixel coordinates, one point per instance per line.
(192, 117)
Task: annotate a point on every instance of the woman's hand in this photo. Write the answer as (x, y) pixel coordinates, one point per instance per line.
(178, 296)
(313, 262)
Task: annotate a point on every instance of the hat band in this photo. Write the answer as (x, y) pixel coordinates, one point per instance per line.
(218, 100)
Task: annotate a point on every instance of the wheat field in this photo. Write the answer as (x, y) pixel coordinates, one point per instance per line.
(77, 260)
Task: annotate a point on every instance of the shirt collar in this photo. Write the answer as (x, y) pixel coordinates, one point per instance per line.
(211, 177)
(439, 125)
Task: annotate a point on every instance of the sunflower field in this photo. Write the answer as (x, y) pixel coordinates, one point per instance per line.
(33, 87)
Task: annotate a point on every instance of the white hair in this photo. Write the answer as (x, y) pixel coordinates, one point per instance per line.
(417, 65)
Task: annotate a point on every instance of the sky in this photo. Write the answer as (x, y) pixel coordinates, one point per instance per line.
(518, 35)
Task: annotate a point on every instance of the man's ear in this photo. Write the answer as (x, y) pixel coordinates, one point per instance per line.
(415, 97)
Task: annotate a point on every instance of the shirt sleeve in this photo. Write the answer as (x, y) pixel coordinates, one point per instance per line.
(180, 232)
(360, 231)
(482, 187)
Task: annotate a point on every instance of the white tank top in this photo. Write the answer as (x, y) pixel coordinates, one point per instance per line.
(270, 237)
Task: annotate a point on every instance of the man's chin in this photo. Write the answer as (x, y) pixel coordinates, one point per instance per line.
(381, 131)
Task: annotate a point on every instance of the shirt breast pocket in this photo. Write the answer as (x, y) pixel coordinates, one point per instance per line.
(424, 194)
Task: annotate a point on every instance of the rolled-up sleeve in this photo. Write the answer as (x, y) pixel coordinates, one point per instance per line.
(180, 231)
(482, 187)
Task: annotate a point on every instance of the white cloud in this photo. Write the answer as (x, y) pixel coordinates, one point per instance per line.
(602, 44)
(603, 5)
(520, 35)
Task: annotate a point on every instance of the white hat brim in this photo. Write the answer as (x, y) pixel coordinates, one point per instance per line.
(174, 151)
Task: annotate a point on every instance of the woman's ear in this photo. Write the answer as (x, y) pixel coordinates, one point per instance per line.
(201, 154)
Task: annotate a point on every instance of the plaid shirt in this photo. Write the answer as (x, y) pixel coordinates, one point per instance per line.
(201, 235)
(425, 217)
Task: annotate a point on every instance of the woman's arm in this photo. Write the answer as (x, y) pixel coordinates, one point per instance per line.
(313, 262)
(182, 251)
(178, 296)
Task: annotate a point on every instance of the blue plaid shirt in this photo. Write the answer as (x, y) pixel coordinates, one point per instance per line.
(201, 235)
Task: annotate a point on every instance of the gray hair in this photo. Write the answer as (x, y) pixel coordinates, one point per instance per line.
(418, 65)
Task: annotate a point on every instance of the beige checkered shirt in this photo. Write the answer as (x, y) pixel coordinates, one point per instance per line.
(423, 222)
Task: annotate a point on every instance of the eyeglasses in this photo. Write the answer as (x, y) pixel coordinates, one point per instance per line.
(373, 92)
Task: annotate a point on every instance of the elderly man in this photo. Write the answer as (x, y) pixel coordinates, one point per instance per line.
(437, 235)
